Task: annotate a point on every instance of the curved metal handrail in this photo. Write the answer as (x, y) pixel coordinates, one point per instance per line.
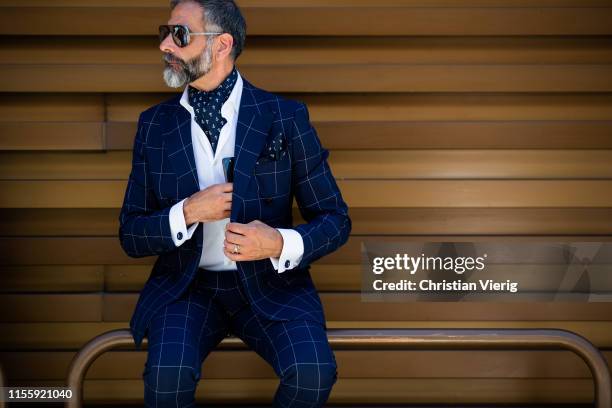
(393, 339)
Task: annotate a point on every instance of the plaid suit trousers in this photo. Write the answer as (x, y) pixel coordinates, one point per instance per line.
(183, 333)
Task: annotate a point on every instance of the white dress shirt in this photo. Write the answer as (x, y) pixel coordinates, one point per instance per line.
(210, 171)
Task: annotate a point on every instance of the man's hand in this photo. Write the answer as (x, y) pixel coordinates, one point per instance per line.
(211, 204)
(256, 240)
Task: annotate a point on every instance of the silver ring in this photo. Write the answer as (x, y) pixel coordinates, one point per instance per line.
(236, 248)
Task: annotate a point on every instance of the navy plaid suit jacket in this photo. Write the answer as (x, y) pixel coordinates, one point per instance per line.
(164, 172)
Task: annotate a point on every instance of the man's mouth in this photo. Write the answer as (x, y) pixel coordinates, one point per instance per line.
(173, 62)
(174, 66)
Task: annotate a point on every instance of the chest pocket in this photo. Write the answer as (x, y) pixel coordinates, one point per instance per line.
(273, 181)
(273, 178)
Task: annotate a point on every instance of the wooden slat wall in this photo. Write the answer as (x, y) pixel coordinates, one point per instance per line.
(446, 120)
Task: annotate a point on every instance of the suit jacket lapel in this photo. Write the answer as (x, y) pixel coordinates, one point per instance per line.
(179, 148)
(254, 122)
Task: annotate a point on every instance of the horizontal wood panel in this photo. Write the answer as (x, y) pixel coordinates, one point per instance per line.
(472, 164)
(347, 164)
(55, 108)
(380, 193)
(365, 221)
(52, 335)
(120, 278)
(318, 3)
(132, 278)
(354, 364)
(376, 391)
(61, 194)
(107, 250)
(342, 121)
(358, 391)
(50, 278)
(529, 134)
(52, 136)
(322, 51)
(304, 78)
(349, 306)
(466, 82)
(71, 336)
(520, 134)
(282, 19)
(348, 278)
(331, 107)
(67, 165)
(437, 107)
(115, 307)
(52, 307)
(471, 193)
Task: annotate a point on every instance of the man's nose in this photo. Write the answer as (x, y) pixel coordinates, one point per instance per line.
(168, 45)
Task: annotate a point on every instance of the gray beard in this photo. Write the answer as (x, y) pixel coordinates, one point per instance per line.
(189, 71)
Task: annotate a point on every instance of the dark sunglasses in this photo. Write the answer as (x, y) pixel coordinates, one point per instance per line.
(180, 34)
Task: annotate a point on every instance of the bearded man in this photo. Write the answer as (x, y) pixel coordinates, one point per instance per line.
(229, 259)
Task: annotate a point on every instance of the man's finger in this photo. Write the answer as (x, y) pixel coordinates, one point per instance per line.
(227, 187)
(237, 227)
(229, 247)
(234, 238)
(235, 257)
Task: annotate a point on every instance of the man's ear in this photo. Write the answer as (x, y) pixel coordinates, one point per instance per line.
(225, 44)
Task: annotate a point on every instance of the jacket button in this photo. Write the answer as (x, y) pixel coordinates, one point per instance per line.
(287, 263)
(267, 200)
(179, 235)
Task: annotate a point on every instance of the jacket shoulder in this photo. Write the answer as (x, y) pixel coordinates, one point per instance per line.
(160, 109)
(151, 119)
(274, 102)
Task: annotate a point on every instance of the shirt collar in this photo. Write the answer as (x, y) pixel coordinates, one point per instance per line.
(231, 102)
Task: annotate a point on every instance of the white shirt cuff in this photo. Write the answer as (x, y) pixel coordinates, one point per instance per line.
(292, 252)
(180, 232)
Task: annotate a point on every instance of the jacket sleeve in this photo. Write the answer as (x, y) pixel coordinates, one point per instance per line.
(144, 228)
(318, 197)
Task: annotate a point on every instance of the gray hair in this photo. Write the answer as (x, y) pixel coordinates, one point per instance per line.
(222, 15)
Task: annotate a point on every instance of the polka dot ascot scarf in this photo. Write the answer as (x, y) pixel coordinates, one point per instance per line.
(207, 107)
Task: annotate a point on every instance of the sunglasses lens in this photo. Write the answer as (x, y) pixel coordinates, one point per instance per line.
(164, 30)
(179, 34)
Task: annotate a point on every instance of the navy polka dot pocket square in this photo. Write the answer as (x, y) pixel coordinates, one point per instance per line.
(274, 150)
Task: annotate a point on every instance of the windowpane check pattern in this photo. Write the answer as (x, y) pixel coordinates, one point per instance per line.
(184, 332)
(164, 172)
